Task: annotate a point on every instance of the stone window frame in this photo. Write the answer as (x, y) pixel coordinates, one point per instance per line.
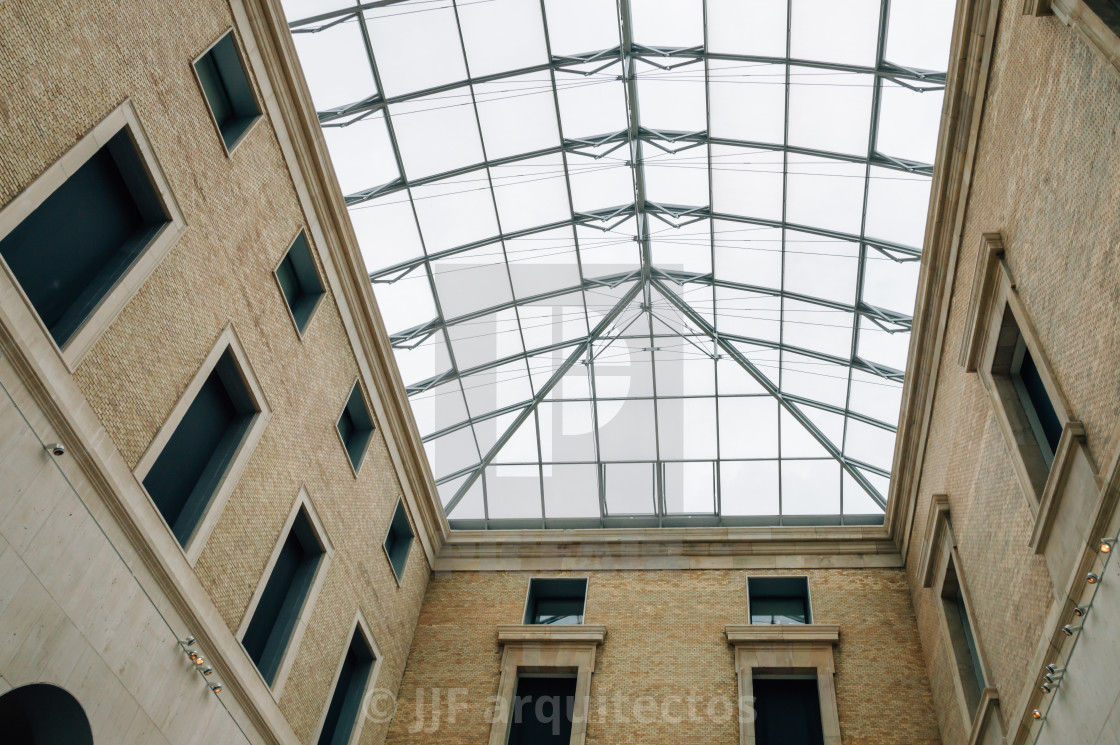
(276, 277)
(357, 384)
(560, 650)
(124, 117)
(529, 589)
(244, 59)
(1063, 495)
(786, 649)
(227, 340)
(1085, 21)
(358, 625)
(939, 550)
(399, 505)
(808, 595)
(302, 501)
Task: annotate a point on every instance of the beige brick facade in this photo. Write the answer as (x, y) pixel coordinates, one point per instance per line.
(665, 650)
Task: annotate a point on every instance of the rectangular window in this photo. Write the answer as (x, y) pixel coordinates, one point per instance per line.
(559, 602)
(964, 648)
(185, 476)
(542, 711)
(779, 600)
(274, 619)
(346, 700)
(228, 92)
(1034, 399)
(71, 251)
(398, 541)
(299, 282)
(787, 711)
(355, 427)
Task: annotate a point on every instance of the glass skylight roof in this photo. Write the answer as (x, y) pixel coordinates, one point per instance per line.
(643, 262)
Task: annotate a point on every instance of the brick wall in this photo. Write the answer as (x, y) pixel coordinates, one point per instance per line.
(665, 641)
(66, 69)
(1046, 177)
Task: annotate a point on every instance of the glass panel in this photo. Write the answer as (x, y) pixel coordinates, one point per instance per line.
(822, 267)
(869, 444)
(472, 506)
(810, 487)
(830, 110)
(908, 122)
(676, 178)
(684, 370)
(888, 283)
(531, 193)
(598, 184)
(883, 347)
(857, 501)
(748, 314)
(748, 253)
(497, 388)
(748, 428)
(825, 193)
(623, 368)
(918, 34)
(817, 329)
(485, 339)
(439, 407)
(684, 249)
(405, 303)
(567, 431)
(748, 100)
(386, 230)
(668, 23)
(896, 206)
(324, 53)
(513, 492)
(455, 211)
(416, 45)
(747, 182)
(756, 27)
(733, 379)
(521, 447)
(297, 10)
(626, 430)
(518, 115)
(672, 100)
(552, 321)
(591, 104)
(362, 154)
(829, 31)
(571, 490)
(576, 26)
(686, 428)
(608, 252)
(543, 262)
(690, 488)
(471, 281)
(815, 379)
(424, 361)
(799, 442)
(629, 488)
(452, 452)
(875, 397)
(502, 35)
(748, 487)
(437, 133)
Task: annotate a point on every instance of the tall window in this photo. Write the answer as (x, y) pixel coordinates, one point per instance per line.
(542, 711)
(346, 699)
(962, 638)
(557, 602)
(779, 600)
(1037, 407)
(225, 84)
(191, 465)
(300, 282)
(355, 427)
(398, 541)
(787, 710)
(70, 252)
(267, 636)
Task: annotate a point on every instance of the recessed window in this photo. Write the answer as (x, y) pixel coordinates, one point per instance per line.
(787, 711)
(346, 699)
(226, 87)
(779, 600)
(964, 648)
(542, 711)
(300, 282)
(557, 602)
(399, 540)
(355, 427)
(1034, 399)
(189, 469)
(71, 251)
(274, 619)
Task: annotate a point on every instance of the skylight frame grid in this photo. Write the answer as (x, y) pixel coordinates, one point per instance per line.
(651, 278)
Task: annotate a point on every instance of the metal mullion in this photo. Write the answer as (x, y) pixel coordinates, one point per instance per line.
(505, 255)
(872, 139)
(822, 356)
(357, 10)
(840, 410)
(782, 274)
(717, 501)
(769, 387)
(623, 302)
(472, 420)
(427, 267)
(929, 76)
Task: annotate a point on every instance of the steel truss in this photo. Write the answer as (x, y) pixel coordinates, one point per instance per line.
(647, 287)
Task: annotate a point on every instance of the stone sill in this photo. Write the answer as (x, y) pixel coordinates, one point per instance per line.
(538, 634)
(812, 633)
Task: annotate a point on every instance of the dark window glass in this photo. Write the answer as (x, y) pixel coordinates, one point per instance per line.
(188, 470)
(787, 712)
(355, 427)
(399, 540)
(964, 650)
(542, 711)
(227, 89)
(342, 714)
(300, 282)
(558, 602)
(1039, 400)
(779, 600)
(276, 613)
(74, 247)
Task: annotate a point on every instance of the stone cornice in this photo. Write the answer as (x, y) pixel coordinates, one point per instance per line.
(551, 635)
(813, 633)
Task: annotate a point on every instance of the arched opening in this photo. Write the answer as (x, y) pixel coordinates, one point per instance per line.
(42, 714)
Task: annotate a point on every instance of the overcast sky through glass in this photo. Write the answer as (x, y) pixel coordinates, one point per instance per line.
(643, 262)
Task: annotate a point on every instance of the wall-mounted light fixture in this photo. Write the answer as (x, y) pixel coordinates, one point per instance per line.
(1107, 544)
(1069, 630)
(1037, 715)
(1092, 578)
(1081, 610)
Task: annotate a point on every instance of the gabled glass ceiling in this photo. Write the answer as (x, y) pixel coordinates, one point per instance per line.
(643, 262)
